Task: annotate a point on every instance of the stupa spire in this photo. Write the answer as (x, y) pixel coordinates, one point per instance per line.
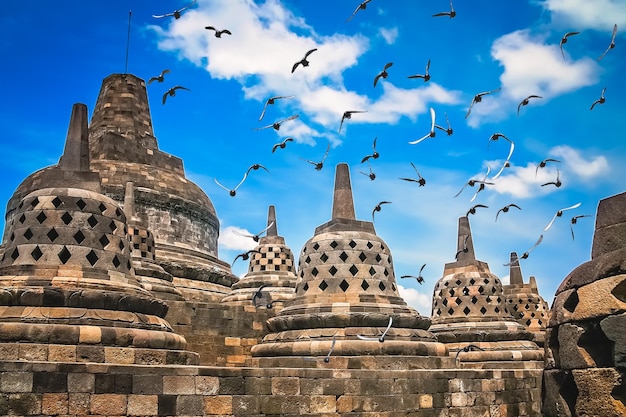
(515, 271)
(465, 244)
(76, 153)
(343, 204)
(271, 222)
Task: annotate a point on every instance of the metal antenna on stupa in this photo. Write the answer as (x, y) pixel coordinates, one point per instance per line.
(130, 13)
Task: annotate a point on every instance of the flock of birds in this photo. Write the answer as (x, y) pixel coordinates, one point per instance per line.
(480, 183)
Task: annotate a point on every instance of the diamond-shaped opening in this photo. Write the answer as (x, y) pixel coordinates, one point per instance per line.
(532, 315)
(458, 301)
(66, 218)
(36, 253)
(488, 299)
(324, 257)
(52, 234)
(112, 226)
(481, 289)
(458, 282)
(465, 291)
(118, 212)
(28, 234)
(483, 310)
(121, 245)
(393, 287)
(34, 202)
(365, 285)
(438, 311)
(382, 286)
(472, 281)
(497, 310)
(515, 308)
(352, 244)
(307, 259)
(79, 237)
(305, 287)
(452, 292)
(41, 217)
(445, 302)
(332, 270)
(385, 272)
(81, 204)
(22, 218)
(372, 271)
(15, 254)
(499, 300)
(446, 283)
(334, 244)
(343, 256)
(474, 300)
(92, 257)
(92, 221)
(12, 237)
(344, 285)
(362, 257)
(21, 205)
(316, 246)
(314, 271)
(378, 258)
(323, 285)
(369, 245)
(466, 310)
(450, 311)
(493, 290)
(486, 281)
(104, 240)
(56, 202)
(64, 255)
(353, 270)
(116, 261)
(102, 208)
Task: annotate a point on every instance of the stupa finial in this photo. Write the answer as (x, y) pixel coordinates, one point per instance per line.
(76, 153)
(271, 222)
(465, 244)
(515, 271)
(343, 204)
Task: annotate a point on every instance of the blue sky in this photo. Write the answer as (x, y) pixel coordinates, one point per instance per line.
(56, 56)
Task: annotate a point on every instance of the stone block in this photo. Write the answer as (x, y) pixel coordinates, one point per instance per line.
(11, 382)
(246, 404)
(24, 404)
(426, 401)
(613, 327)
(189, 405)
(78, 404)
(207, 385)
(55, 403)
(285, 386)
(218, 405)
(119, 355)
(61, 353)
(571, 355)
(143, 405)
(323, 404)
(232, 386)
(33, 352)
(49, 382)
(179, 385)
(596, 390)
(147, 384)
(108, 404)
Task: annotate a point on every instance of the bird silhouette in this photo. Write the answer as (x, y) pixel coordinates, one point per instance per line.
(472, 210)
(557, 183)
(256, 237)
(564, 40)
(601, 100)
(172, 92)
(478, 98)
(451, 13)
(371, 174)
(381, 338)
(232, 192)
(464, 249)
(543, 163)
(176, 13)
(218, 33)
(330, 351)
(271, 303)
(383, 73)
(559, 213)
(378, 208)
(574, 220)
(506, 208)
(258, 294)
(256, 167)
(276, 125)
(525, 102)
(304, 62)
(527, 253)
(612, 45)
(159, 78)
(448, 130)
(348, 115)
(282, 144)
(374, 155)
(245, 256)
(361, 6)
(472, 182)
(425, 76)
(430, 134)
(468, 348)
(419, 277)
(420, 180)
(319, 165)
(271, 101)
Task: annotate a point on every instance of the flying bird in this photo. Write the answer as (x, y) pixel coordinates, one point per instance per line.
(382, 336)
(332, 346)
(371, 175)
(448, 130)
(378, 208)
(468, 348)
(465, 249)
(451, 13)
(361, 6)
(319, 165)
(218, 33)
(420, 180)
(472, 210)
(271, 101)
(271, 303)
(557, 183)
(348, 115)
(612, 45)
(525, 102)
(543, 163)
(176, 13)
(245, 256)
(527, 253)
(574, 220)
(425, 76)
(282, 144)
(601, 100)
(232, 192)
(419, 277)
(383, 73)
(430, 134)
(256, 237)
(304, 62)
(564, 40)
(374, 155)
(478, 98)
(159, 78)
(172, 92)
(559, 214)
(506, 208)
(258, 294)
(256, 167)
(276, 125)
(473, 182)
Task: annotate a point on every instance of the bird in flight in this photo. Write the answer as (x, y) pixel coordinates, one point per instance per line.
(218, 33)
(465, 249)
(574, 220)
(420, 180)
(448, 130)
(276, 125)
(468, 348)
(472, 210)
(527, 253)
(304, 62)
(319, 165)
(557, 183)
(612, 45)
(361, 6)
(543, 163)
(159, 78)
(382, 336)
(473, 182)
(254, 237)
(478, 98)
(419, 277)
(432, 132)
(425, 76)
(332, 346)
(271, 101)
(601, 100)
(348, 115)
(371, 175)
(256, 167)
(383, 73)
(172, 92)
(282, 144)
(564, 40)
(378, 208)
(559, 214)
(451, 13)
(506, 208)
(258, 294)
(374, 155)
(525, 102)
(232, 192)
(176, 13)
(245, 256)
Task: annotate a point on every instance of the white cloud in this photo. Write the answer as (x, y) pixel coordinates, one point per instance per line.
(585, 169)
(389, 35)
(231, 241)
(420, 301)
(584, 14)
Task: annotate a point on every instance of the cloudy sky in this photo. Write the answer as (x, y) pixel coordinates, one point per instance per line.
(54, 57)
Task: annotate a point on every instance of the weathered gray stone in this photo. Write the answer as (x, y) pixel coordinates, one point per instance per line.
(614, 328)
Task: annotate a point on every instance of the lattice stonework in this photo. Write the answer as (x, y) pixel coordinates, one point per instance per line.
(142, 241)
(529, 310)
(274, 258)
